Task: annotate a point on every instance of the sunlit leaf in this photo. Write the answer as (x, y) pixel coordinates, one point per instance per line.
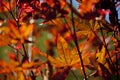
(65, 57)
(85, 34)
(86, 6)
(13, 35)
(21, 76)
(85, 29)
(63, 50)
(26, 30)
(7, 67)
(4, 40)
(14, 31)
(5, 6)
(101, 55)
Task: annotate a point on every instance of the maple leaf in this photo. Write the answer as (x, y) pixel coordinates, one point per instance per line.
(100, 61)
(86, 6)
(12, 34)
(84, 29)
(7, 67)
(105, 67)
(65, 58)
(6, 6)
(101, 55)
(18, 67)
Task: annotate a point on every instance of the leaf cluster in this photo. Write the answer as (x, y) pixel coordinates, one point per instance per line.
(51, 40)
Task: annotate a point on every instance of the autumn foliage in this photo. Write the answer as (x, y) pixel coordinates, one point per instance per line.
(52, 40)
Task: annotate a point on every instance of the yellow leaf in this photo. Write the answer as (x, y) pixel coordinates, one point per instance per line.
(26, 30)
(36, 51)
(86, 6)
(31, 65)
(20, 76)
(101, 55)
(65, 58)
(12, 34)
(63, 50)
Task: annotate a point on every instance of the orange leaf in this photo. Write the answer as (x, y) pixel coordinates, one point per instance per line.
(86, 6)
(101, 55)
(20, 76)
(4, 40)
(63, 50)
(14, 31)
(65, 57)
(5, 6)
(26, 30)
(13, 35)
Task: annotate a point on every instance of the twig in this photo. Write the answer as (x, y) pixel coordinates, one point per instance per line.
(76, 43)
(118, 25)
(16, 49)
(104, 43)
(117, 69)
(116, 14)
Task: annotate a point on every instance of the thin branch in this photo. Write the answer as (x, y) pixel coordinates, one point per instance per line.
(68, 26)
(118, 25)
(116, 54)
(104, 43)
(116, 14)
(76, 43)
(16, 50)
(24, 50)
